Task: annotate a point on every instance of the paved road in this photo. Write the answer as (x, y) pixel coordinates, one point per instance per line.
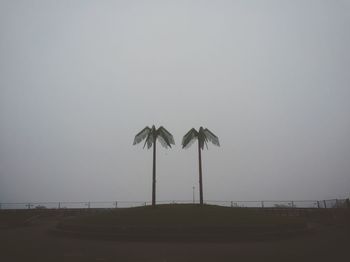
(33, 243)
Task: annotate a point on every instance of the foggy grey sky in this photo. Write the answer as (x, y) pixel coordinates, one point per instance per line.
(78, 79)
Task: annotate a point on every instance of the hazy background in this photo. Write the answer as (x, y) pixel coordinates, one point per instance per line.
(78, 79)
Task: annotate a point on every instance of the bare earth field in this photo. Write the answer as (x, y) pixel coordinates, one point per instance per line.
(32, 241)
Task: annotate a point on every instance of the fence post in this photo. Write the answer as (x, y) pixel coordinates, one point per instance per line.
(59, 205)
(324, 202)
(116, 204)
(292, 204)
(348, 202)
(231, 203)
(262, 204)
(88, 204)
(318, 204)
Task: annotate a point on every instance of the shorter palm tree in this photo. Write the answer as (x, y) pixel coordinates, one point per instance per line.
(151, 135)
(203, 136)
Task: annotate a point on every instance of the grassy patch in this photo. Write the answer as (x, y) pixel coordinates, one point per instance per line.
(183, 215)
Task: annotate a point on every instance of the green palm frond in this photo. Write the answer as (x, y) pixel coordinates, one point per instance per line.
(202, 139)
(165, 138)
(142, 135)
(189, 138)
(203, 136)
(150, 135)
(163, 141)
(211, 137)
(149, 140)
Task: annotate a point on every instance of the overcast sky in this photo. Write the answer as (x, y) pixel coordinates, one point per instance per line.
(78, 79)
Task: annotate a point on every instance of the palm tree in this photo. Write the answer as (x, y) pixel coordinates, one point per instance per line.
(151, 135)
(203, 136)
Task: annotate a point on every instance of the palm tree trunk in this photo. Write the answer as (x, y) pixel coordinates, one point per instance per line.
(200, 175)
(154, 176)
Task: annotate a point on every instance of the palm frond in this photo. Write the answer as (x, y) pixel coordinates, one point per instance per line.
(202, 140)
(166, 134)
(149, 140)
(141, 135)
(189, 138)
(211, 137)
(162, 140)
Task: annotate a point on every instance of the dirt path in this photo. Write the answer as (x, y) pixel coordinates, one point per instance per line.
(33, 243)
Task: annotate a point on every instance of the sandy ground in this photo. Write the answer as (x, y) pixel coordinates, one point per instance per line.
(34, 243)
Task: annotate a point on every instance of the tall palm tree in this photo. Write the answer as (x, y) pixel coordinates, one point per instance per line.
(202, 136)
(151, 135)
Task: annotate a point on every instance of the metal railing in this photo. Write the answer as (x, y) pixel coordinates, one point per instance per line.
(330, 203)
